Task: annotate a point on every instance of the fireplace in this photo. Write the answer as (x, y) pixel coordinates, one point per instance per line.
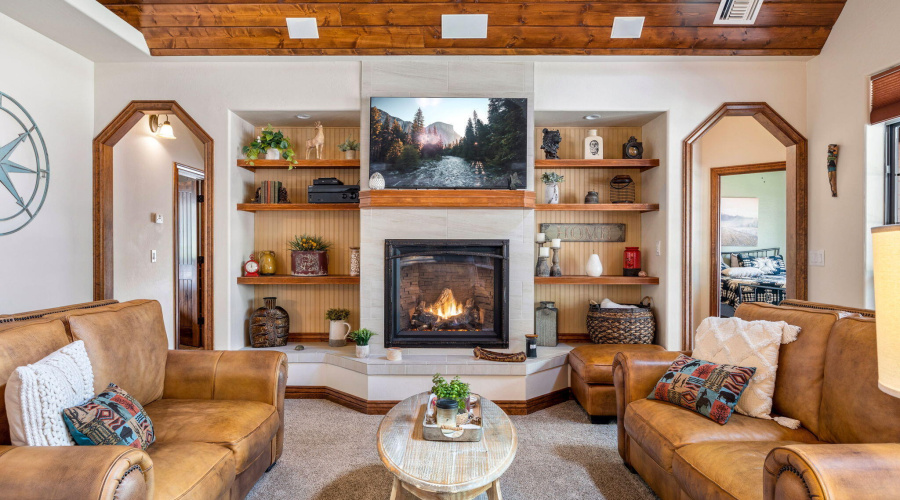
(446, 293)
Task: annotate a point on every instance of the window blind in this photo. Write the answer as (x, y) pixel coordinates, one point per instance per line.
(885, 96)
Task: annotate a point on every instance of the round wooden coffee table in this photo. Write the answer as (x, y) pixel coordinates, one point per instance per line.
(432, 470)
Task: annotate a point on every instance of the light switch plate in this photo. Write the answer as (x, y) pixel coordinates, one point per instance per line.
(817, 258)
(658, 248)
(158, 218)
(152, 255)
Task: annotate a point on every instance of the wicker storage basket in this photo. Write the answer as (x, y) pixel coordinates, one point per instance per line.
(621, 326)
(621, 189)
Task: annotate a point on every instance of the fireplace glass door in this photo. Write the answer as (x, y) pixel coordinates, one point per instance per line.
(446, 293)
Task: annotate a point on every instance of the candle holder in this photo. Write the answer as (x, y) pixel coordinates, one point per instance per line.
(554, 269)
(540, 244)
(543, 267)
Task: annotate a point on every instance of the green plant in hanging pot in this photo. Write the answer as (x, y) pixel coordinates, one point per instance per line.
(270, 144)
(551, 189)
(362, 338)
(349, 147)
(309, 255)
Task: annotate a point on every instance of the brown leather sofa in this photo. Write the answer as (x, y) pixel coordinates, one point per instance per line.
(846, 448)
(218, 415)
(592, 377)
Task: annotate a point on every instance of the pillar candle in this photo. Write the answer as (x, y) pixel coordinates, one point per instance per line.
(545, 252)
(541, 237)
(554, 243)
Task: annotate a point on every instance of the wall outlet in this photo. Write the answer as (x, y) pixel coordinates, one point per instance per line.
(817, 258)
(157, 218)
(152, 256)
(658, 248)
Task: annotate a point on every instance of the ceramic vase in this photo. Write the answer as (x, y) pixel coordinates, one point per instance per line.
(594, 267)
(362, 351)
(273, 154)
(266, 262)
(593, 146)
(551, 194)
(309, 263)
(376, 182)
(545, 324)
(337, 333)
(354, 261)
(269, 325)
(349, 154)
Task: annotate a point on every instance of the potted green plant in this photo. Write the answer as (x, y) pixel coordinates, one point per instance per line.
(272, 145)
(309, 255)
(551, 189)
(337, 336)
(455, 389)
(349, 147)
(362, 338)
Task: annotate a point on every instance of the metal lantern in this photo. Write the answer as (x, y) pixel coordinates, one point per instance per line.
(621, 189)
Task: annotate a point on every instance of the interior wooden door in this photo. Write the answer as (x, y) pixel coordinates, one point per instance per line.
(188, 292)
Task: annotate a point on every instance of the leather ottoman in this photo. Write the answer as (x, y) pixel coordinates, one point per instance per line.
(592, 377)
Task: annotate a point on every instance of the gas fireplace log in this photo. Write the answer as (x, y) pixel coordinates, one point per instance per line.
(469, 319)
(515, 357)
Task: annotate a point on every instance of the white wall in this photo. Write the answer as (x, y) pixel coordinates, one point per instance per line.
(862, 43)
(143, 177)
(49, 262)
(690, 90)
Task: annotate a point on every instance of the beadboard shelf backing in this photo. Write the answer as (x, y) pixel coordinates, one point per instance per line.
(289, 207)
(598, 207)
(573, 303)
(307, 299)
(643, 165)
(446, 198)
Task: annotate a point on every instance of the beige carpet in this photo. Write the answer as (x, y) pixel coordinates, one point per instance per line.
(330, 453)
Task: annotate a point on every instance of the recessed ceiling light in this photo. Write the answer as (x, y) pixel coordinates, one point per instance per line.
(627, 27)
(464, 26)
(302, 27)
(592, 117)
(303, 116)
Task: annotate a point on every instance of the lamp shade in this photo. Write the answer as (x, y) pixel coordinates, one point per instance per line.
(165, 131)
(886, 245)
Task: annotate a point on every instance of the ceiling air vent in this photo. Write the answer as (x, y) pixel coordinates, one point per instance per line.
(738, 11)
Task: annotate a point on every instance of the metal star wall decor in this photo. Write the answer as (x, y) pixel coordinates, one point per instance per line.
(24, 167)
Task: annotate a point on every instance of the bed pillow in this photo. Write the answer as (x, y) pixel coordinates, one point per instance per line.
(778, 262)
(722, 265)
(114, 417)
(742, 272)
(710, 389)
(36, 395)
(752, 344)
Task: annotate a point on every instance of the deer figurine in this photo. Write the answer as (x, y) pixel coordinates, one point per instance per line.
(316, 142)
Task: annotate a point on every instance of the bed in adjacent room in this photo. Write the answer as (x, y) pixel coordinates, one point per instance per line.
(751, 276)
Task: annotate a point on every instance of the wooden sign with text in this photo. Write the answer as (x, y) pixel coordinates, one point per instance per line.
(614, 233)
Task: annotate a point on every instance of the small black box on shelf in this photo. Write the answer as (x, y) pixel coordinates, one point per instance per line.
(327, 181)
(333, 194)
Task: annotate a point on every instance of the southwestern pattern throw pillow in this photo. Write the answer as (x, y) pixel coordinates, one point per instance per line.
(709, 389)
(113, 417)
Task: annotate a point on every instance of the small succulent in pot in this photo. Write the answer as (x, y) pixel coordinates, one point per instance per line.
(362, 338)
(309, 255)
(269, 139)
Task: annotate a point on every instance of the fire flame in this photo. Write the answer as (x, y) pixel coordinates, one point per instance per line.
(446, 305)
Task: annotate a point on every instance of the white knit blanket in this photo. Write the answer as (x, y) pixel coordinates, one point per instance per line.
(59, 381)
(755, 344)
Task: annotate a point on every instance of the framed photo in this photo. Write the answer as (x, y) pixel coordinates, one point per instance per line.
(739, 222)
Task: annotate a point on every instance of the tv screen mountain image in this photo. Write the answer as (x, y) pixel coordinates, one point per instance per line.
(449, 142)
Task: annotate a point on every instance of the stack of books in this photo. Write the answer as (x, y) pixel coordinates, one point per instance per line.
(268, 191)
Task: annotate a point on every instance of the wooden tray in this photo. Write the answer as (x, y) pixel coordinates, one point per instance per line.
(472, 431)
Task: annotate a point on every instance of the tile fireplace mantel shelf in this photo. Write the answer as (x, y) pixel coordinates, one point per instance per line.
(446, 198)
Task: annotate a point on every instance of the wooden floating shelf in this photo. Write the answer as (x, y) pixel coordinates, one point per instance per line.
(284, 164)
(598, 207)
(287, 279)
(446, 198)
(599, 280)
(291, 207)
(641, 164)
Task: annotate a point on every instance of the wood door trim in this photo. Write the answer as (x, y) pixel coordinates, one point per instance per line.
(715, 247)
(797, 202)
(103, 200)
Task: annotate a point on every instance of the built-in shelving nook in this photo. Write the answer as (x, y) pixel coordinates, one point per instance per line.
(307, 298)
(573, 290)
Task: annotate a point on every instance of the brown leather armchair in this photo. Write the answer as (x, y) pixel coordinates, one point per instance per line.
(218, 415)
(846, 446)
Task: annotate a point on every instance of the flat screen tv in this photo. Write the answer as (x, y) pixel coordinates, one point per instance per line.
(449, 142)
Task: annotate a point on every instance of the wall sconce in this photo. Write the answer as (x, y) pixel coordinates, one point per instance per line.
(163, 131)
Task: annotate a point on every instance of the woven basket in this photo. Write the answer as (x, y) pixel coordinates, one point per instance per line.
(621, 326)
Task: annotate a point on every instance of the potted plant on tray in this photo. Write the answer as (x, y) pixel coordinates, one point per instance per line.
(361, 337)
(309, 256)
(551, 189)
(455, 389)
(272, 145)
(349, 147)
(337, 336)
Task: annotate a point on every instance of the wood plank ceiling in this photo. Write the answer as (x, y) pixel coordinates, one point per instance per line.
(359, 27)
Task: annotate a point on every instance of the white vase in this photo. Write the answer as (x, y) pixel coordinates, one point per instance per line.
(594, 267)
(593, 146)
(273, 154)
(376, 182)
(551, 194)
(362, 351)
(337, 333)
